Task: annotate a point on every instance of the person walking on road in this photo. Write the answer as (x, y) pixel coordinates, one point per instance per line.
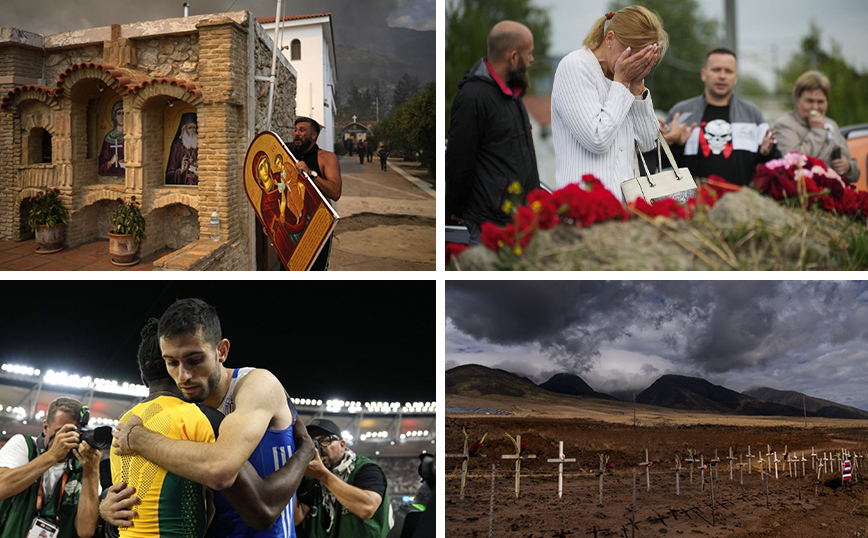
(383, 153)
(361, 149)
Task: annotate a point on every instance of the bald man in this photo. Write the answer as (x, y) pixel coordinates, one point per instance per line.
(490, 143)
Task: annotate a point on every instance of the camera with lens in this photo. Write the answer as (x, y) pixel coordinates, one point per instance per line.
(99, 438)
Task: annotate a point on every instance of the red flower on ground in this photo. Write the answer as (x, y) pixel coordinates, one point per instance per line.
(454, 249)
(495, 237)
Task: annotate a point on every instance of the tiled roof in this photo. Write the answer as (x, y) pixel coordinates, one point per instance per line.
(124, 79)
(51, 92)
(266, 20)
(112, 71)
(189, 86)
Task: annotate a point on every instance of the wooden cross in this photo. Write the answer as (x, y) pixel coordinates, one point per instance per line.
(677, 473)
(466, 458)
(803, 460)
(741, 465)
(813, 458)
(730, 458)
(690, 459)
(776, 465)
(517, 457)
(749, 458)
(560, 460)
(647, 464)
(702, 467)
(604, 461)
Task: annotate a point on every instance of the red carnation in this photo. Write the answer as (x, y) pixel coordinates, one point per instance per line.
(453, 250)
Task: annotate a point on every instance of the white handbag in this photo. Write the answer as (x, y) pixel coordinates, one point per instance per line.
(676, 183)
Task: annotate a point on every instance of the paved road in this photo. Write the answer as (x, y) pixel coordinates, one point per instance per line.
(387, 222)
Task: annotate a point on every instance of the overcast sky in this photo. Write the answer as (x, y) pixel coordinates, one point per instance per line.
(761, 24)
(811, 337)
(355, 20)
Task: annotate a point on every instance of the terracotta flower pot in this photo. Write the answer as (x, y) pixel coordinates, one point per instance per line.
(122, 248)
(50, 238)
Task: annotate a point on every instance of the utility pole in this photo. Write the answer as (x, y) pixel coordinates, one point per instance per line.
(805, 409)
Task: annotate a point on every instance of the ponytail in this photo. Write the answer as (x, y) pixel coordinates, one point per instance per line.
(597, 34)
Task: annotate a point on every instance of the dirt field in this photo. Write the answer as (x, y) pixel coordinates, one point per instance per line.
(798, 508)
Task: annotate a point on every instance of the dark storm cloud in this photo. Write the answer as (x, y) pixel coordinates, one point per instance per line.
(363, 24)
(714, 327)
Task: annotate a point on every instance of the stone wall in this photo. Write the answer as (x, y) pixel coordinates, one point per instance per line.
(169, 56)
(56, 61)
(215, 54)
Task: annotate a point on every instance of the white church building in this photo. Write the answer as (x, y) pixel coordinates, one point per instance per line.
(308, 42)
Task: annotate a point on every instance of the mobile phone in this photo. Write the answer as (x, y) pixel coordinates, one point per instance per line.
(836, 154)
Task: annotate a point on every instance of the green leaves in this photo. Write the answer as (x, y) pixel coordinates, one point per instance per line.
(46, 210)
(128, 219)
(515, 443)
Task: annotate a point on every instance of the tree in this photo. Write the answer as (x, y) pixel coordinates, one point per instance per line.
(847, 103)
(406, 85)
(467, 25)
(410, 128)
(691, 36)
(751, 86)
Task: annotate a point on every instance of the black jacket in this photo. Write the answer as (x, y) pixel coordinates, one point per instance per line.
(490, 147)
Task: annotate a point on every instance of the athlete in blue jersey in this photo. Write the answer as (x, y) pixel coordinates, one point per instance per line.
(259, 417)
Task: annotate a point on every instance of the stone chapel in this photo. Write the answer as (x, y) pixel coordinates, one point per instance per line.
(161, 110)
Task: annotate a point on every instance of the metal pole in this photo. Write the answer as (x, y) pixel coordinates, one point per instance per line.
(491, 506)
(273, 75)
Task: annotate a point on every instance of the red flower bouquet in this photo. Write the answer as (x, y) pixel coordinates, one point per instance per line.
(781, 178)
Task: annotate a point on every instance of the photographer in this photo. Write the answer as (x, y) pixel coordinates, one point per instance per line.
(344, 494)
(50, 483)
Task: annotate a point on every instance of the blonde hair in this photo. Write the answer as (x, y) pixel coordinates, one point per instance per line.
(634, 26)
(810, 81)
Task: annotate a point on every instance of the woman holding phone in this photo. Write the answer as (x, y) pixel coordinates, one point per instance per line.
(808, 130)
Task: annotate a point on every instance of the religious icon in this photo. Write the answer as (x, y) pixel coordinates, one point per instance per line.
(111, 157)
(182, 167)
(294, 214)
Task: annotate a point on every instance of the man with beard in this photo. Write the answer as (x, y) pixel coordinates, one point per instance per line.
(328, 172)
(183, 165)
(490, 144)
(345, 494)
(258, 426)
(168, 505)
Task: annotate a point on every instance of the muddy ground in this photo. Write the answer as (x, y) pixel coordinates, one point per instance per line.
(804, 507)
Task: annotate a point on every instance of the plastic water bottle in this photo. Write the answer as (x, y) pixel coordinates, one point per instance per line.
(215, 226)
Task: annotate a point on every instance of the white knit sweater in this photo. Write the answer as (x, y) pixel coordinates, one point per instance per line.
(595, 123)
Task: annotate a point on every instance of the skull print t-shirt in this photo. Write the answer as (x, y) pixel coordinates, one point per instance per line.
(715, 145)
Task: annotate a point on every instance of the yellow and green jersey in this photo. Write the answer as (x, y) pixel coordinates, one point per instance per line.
(169, 506)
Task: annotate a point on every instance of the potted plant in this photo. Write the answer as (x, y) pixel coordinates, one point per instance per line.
(128, 232)
(47, 219)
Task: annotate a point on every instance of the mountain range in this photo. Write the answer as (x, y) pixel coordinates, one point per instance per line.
(672, 391)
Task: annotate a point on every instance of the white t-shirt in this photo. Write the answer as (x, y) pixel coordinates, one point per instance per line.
(14, 454)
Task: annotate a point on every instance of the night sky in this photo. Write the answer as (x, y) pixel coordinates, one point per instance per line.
(365, 341)
(620, 336)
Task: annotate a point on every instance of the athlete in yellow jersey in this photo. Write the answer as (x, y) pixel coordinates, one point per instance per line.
(169, 506)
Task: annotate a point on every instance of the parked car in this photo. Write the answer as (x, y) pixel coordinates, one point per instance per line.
(857, 141)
